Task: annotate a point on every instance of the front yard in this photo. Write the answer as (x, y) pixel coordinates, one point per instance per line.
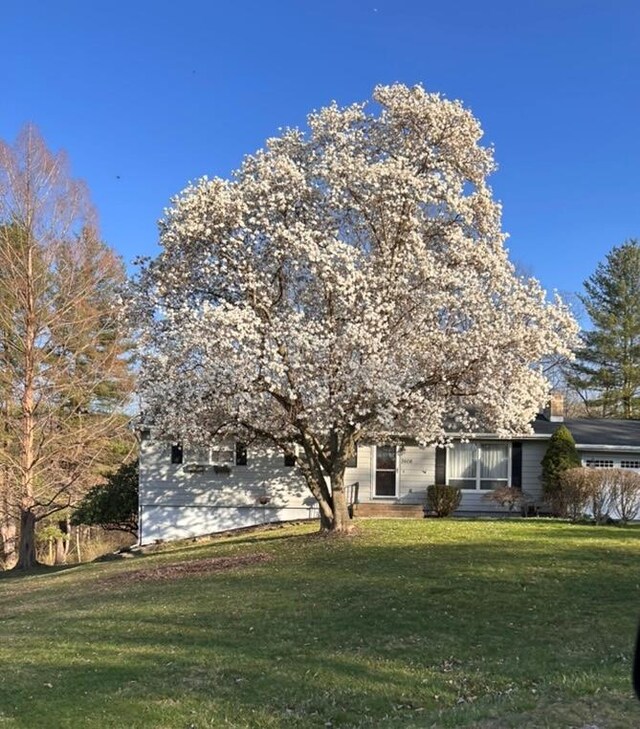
(410, 624)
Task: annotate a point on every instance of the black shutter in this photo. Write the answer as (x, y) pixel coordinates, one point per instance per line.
(441, 465)
(241, 453)
(516, 464)
(176, 453)
(353, 461)
(289, 459)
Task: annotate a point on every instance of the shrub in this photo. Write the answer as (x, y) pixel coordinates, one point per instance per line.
(625, 493)
(600, 494)
(561, 455)
(443, 500)
(575, 490)
(114, 505)
(509, 496)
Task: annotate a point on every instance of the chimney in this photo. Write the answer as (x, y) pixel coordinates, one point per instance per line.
(554, 411)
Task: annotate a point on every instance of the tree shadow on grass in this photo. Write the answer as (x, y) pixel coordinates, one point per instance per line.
(296, 643)
(38, 571)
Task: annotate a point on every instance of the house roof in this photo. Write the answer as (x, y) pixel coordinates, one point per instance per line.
(594, 431)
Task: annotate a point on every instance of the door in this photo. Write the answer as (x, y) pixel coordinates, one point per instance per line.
(385, 472)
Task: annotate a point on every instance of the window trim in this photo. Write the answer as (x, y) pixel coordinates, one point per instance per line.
(477, 461)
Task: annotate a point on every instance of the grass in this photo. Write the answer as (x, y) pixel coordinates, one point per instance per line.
(409, 624)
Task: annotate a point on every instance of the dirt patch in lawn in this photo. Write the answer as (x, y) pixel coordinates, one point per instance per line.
(176, 570)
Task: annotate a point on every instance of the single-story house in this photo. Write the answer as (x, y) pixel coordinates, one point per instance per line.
(191, 492)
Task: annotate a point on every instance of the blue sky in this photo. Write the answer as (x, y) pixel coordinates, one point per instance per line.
(145, 96)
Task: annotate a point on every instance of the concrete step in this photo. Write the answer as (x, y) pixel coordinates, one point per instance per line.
(395, 511)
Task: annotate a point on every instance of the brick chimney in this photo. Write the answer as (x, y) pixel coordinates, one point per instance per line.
(555, 409)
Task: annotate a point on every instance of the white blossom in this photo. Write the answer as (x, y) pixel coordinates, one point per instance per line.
(348, 284)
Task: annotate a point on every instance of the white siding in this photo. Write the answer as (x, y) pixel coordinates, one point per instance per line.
(175, 503)
(616, 456)
(181, 522)
(361, 474)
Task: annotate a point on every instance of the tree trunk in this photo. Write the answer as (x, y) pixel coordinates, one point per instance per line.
(60, 555)
(78, 544)
(8, 534)
(27, 542)
(325, 522)
(341, 520)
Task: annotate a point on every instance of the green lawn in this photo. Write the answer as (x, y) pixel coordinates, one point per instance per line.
(409, 624)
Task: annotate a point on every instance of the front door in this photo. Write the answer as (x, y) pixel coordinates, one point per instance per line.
(386, 474)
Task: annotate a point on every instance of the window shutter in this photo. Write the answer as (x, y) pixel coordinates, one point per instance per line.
(516, 465)
(176, 453)
(241, 453)
(441, 465)
(353, 461)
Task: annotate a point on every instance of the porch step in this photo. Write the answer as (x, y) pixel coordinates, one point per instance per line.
(395, 511)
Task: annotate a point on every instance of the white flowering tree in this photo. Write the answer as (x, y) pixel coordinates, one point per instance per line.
(349, 283)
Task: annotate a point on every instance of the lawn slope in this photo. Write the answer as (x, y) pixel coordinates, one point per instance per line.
(409, 624)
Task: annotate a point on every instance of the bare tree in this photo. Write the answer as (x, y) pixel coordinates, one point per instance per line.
(63, 373)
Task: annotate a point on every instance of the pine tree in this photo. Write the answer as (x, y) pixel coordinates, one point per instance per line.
(607, 368)
(561, 455)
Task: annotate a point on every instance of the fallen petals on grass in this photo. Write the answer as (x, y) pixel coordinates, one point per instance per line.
(177, 570)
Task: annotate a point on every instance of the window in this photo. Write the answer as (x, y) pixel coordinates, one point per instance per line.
(176, 453)
(630, 464)
(599, 463)
(289, 459)
(224, 453)
(385, 471)
(612, 463)
(204, 455)
(481, 466)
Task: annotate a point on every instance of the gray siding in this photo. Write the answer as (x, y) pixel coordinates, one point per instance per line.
(417, 471)
(532, 455)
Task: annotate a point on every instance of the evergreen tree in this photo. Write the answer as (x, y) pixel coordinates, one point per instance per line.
(607, 367)
(561, 455)
(113, 505)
